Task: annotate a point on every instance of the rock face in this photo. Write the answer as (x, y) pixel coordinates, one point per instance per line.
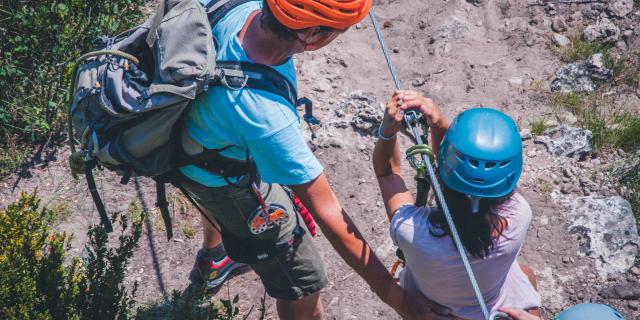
(603, 30)
(606, 231)
(578, 77)
(453, 28)
(359, 110)
(620, 8)
(567, 141)
(367, 114)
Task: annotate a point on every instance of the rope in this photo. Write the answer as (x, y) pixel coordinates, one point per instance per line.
(411, 119)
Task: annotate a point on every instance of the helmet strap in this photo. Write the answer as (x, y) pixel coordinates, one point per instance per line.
(475, 204)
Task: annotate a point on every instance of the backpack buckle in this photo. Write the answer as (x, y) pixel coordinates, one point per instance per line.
(225, 73)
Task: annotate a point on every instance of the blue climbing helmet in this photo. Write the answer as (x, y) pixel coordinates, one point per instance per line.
(590, 311)
(481, 154)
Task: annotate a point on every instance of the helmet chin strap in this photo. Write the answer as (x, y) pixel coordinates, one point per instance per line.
(475, 204)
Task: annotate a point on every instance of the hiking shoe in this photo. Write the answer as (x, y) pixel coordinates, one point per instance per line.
(210, 273)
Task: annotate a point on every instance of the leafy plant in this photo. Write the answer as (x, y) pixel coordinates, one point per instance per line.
(39, 40)
(192, 304)
(35, 282)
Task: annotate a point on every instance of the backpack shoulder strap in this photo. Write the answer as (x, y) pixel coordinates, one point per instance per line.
(236, 75)
(217, 9)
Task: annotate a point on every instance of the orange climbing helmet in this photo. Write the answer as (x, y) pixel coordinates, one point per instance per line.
(301, 14)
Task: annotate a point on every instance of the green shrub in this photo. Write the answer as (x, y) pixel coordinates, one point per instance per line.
(579, 49)
(538, 127)
(571, 101)
(611, 125)
(626, 70)
(192, 304)
(39, 41)
(35, 281)
(629, 174)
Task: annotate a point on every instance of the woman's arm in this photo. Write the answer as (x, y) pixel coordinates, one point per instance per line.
(386, 155)
(387, 159)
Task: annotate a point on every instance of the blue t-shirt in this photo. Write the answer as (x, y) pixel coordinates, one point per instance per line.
(262, 122)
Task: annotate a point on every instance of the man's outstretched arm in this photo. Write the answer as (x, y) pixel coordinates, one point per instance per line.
(343, 235)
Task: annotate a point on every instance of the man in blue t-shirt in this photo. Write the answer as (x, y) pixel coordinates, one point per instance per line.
(253, 210)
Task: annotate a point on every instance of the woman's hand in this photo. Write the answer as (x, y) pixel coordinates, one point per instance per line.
(413, 100)
(405, 100)
(393, 116)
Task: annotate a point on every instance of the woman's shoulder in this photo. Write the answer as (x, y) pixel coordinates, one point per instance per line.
(516, 205)
(411, 217)
(409, 212)
(518, 213)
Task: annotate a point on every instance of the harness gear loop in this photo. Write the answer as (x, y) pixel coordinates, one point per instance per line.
(412, 123)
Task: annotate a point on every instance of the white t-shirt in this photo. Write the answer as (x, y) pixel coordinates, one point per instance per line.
(434, 267)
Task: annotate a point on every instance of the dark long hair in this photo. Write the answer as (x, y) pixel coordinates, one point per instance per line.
(476, 230)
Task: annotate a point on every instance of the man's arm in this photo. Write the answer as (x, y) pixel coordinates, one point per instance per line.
(343, 235)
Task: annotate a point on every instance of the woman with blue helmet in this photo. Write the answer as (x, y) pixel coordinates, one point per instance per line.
(583, 311)
(479, 159)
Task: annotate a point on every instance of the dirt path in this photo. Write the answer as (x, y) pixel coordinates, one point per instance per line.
(461, 55)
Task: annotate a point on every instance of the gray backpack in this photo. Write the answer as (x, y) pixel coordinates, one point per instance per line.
(129, 98)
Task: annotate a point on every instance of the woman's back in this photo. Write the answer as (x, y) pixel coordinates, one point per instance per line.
(434, 267)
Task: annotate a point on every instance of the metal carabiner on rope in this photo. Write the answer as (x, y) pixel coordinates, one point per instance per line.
(411, 120)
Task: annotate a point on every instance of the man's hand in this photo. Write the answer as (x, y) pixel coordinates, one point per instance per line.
(420, 307)
(518, 314)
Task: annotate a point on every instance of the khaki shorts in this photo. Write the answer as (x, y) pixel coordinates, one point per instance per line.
(290, 275)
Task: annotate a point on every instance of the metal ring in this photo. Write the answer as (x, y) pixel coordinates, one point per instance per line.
(226, 84)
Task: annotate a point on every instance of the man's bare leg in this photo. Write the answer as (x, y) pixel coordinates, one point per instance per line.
(309, 307)
(211, 236)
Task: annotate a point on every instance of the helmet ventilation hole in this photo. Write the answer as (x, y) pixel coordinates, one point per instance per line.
(478, 180)
(474, 163)
(504, 164)
(489, 165)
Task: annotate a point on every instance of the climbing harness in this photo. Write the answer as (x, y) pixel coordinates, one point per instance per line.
(421, 149)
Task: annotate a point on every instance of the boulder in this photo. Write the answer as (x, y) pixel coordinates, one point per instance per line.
(567, 141)
(578, 77)
(620, 8)
(558, 24)
(606, 231)
(365, 111)
(561, 40)
(603, 30)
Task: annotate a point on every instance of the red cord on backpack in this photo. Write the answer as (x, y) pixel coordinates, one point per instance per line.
(306, 215)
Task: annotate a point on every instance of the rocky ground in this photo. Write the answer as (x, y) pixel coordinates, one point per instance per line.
(583, 242)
